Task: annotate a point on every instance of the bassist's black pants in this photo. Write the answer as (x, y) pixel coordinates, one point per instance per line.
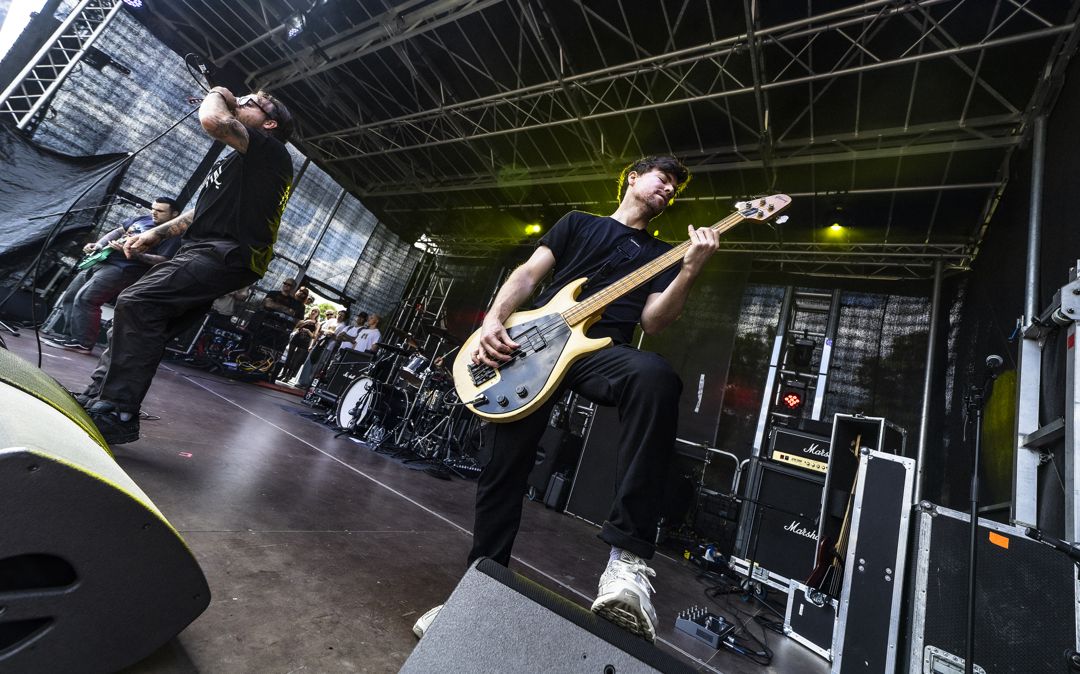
(646, 391)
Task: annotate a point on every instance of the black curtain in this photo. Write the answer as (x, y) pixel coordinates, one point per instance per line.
(37, 186)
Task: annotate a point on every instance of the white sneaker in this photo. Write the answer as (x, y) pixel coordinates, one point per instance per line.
(624, 595)
(424, 622)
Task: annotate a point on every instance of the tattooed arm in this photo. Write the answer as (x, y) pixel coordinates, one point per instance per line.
(217, 114)
(136, 246)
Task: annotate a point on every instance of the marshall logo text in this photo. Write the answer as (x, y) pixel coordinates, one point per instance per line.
(796, 527)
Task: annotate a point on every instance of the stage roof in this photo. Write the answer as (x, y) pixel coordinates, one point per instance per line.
(464, 121)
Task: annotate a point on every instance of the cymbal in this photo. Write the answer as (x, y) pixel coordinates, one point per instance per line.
(392, 348)
(441, 333)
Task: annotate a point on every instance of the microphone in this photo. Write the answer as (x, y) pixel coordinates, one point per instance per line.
(1061, 546)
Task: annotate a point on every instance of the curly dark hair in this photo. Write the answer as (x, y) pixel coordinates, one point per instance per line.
(668, 164)
(284, 129)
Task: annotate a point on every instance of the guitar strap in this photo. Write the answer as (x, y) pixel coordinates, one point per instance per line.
(625, 252)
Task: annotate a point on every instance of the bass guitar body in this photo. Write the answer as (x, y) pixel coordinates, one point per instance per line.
(548, 345)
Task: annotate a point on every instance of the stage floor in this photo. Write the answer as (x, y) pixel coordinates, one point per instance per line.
(321, 553)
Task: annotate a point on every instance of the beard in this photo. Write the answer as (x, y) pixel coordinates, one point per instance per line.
(653, 206)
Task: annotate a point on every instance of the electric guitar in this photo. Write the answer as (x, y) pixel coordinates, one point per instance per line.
(552, 337)
(829, 565)
(98, 255)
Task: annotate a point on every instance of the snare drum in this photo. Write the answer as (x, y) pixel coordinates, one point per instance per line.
(415, 370)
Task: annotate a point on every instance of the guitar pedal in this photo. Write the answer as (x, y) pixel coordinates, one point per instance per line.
(703, 625)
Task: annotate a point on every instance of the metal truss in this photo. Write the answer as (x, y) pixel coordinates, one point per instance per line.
(883, 261)
(35, 84)
(932, 138)
(665, 81)
(393, 26)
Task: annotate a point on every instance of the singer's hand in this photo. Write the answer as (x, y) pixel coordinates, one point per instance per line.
(141, 243)
(230, 100)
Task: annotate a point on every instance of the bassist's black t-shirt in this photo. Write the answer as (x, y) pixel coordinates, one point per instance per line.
(243, 198)
(604, 250)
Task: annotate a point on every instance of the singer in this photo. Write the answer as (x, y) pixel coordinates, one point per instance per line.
(228, 241)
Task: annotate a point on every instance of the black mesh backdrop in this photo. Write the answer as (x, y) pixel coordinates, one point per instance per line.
(755, 331)
(98, 111)
(378, 280)
(879, 357)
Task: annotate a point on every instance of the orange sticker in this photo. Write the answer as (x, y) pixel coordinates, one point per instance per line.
(999, 540)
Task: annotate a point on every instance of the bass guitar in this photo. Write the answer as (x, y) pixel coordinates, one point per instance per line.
(828, 573)
(552, 337)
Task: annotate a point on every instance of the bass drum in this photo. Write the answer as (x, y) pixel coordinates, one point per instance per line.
(355, 402)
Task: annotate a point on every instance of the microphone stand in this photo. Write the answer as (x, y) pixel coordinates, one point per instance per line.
(973, 405)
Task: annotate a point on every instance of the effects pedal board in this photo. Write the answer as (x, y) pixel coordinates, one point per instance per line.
(703, 625)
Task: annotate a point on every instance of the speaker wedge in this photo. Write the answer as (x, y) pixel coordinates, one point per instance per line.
(92, 575)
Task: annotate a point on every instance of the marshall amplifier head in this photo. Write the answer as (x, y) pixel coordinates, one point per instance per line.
(799, 449)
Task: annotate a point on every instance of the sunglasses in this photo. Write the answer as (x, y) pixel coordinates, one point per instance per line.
(251, 100)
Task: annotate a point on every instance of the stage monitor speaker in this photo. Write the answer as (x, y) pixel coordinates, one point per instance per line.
(92, 575)
(497, 621)
(18, 308)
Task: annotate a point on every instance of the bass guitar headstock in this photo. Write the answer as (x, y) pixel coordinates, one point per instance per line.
(763, 208)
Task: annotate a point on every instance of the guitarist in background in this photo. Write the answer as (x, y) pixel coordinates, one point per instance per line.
(641, 384)
(102, 282)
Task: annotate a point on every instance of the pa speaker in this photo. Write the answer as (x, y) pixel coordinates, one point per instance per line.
(92, 576)
(497, 621)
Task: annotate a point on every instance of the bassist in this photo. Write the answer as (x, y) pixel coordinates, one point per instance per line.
(641, 384)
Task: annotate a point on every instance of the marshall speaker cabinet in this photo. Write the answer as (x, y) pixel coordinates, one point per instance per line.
(1025, 598)
(782, 507)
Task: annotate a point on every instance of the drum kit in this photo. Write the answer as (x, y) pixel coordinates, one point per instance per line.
(404, 399)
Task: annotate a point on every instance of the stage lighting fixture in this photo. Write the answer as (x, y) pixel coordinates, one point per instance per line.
(792, 396)
(134, 4)
(294, 25)
(837, 222)
(533, 230)
(801, 352)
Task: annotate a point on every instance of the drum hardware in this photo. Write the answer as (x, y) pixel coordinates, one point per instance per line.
(415, 371)
(392, 348)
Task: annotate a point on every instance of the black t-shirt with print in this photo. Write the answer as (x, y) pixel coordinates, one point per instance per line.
(604, 250)
(243, 198)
